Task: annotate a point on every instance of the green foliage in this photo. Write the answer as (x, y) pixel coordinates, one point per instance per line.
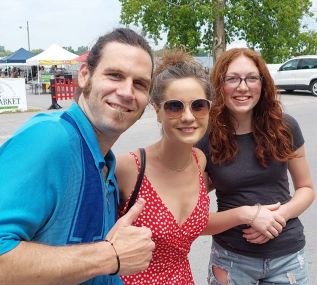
(4, 52)
(202, 52)
(186, 22)
(70, 49)
(81, 50)
(36, 51)
(272, 26)
(307, 43)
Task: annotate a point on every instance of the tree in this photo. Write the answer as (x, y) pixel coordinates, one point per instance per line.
(307, 43)
(271, 26)
(219, 36)
(36, 51)
(4, 52)
(70, 49)
(81, 50)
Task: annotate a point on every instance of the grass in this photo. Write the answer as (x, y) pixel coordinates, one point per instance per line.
(29, 110)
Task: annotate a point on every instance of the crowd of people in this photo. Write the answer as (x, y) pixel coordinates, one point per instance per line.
(14, 72)
(32, 72)
(76, 214)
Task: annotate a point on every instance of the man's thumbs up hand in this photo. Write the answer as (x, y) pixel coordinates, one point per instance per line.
(128, 218)
(134, 212)
(133, 244)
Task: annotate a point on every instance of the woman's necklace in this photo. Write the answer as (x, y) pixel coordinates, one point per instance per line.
(179, 169)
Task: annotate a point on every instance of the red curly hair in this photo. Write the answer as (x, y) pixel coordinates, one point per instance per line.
(273, 138)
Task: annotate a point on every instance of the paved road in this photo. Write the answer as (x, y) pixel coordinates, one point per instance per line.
(301, 105)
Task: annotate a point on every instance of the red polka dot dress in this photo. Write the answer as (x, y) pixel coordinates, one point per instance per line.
(170, 264)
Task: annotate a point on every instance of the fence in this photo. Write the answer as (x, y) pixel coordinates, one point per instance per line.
(62, 89)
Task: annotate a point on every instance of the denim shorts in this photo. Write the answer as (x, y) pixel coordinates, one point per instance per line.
(244, 270)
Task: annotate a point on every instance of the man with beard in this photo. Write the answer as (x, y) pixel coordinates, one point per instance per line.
(59, 195)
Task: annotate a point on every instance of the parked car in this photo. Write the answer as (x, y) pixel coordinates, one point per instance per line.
(298, 73)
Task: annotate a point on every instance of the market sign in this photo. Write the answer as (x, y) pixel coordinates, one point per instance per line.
(45, 78)
(12, 95)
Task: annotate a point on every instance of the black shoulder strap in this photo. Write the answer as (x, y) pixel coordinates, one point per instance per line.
(139, 181)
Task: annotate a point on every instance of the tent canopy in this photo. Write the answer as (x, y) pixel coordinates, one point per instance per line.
(82, 57)
(53, 55)
(19, 56)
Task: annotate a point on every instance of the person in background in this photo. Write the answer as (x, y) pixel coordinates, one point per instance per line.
(59, 195)
(41, 70)
(250, 146)
(53, 69)
(173, 186)
(14, 73)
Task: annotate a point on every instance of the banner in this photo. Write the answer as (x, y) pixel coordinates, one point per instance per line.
(12, 95)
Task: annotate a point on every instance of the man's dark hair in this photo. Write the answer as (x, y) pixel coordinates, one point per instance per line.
(119, 35)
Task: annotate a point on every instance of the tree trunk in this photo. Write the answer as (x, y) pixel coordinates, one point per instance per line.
(219, 40)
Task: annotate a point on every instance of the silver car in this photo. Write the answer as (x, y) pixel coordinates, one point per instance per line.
(299, 73)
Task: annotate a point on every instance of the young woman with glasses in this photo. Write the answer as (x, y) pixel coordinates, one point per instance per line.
(177, 204)
(257, 236)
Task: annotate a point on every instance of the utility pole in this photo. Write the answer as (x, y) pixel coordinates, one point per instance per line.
(28, 31)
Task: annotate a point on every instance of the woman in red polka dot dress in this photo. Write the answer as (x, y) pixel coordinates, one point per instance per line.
(177, 204)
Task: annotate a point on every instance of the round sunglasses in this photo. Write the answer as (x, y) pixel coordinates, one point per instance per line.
(175, 108)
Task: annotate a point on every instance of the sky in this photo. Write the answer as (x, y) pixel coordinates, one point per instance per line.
(68, 23)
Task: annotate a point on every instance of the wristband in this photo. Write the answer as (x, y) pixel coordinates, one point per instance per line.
(256, 214)
(117, 256)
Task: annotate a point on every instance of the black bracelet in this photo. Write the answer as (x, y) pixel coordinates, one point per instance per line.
(117, 256)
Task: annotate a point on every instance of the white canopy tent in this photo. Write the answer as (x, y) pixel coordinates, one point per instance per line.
(53, 55)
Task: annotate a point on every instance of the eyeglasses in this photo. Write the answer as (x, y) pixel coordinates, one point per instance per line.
(175, 108)
(250, 81)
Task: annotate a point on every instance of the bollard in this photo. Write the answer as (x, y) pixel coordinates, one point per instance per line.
(54, 104)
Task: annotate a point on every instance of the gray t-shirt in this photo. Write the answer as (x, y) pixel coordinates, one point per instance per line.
(244, 181)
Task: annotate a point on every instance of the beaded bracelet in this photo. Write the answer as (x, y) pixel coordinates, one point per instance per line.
(117, 256)
(256, 214)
